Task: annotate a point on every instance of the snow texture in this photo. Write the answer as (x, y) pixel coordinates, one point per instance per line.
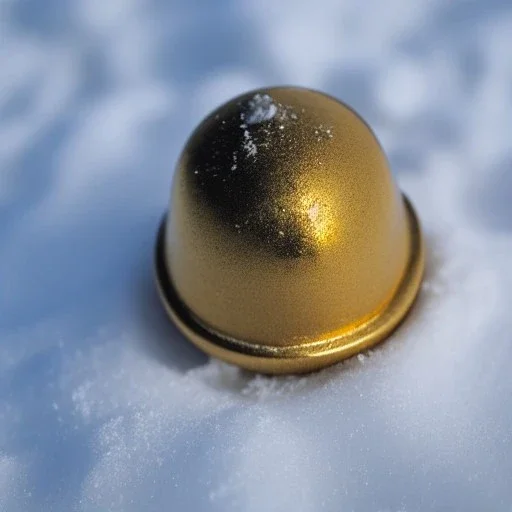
(103, 406)
(261, 108)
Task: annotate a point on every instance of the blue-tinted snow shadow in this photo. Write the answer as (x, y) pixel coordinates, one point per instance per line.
(489, 199)
(58, 454)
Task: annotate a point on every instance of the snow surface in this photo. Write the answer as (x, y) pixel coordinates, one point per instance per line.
(103, 406)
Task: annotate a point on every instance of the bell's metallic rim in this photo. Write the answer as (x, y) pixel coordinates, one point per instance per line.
(304, 357)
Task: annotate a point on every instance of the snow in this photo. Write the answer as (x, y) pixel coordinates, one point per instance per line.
(261, 108)
(248, 145)
(103, 405)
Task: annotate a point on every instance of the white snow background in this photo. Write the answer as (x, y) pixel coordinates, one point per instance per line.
(103, 406)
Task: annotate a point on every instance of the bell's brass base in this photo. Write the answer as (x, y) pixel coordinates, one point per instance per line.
(305, 357)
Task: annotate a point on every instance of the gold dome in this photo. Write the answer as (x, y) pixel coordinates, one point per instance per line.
(287, 246)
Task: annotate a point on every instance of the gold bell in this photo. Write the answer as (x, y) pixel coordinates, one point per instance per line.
(288, 246)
